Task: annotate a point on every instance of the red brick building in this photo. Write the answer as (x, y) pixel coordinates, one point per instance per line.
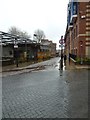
(50, 46)
(77, 35)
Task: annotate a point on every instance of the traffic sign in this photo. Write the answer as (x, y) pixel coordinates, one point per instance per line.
(62, 46)
(16, 46)
(61, 41)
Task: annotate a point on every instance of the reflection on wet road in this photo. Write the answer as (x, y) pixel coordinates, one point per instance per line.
(48, 93)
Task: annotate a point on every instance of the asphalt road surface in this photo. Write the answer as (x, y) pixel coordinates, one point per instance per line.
(45, 93)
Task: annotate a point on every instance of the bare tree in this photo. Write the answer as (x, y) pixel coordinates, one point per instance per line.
(15, 31)
(39, 35)
(24, 34)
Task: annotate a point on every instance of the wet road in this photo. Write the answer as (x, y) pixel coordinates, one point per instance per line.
(48, 93)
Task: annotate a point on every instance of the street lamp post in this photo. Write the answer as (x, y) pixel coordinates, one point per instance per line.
(16, 52)
(61, 45)
(34, 36)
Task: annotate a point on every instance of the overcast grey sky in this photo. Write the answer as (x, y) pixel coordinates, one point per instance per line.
(30, 15)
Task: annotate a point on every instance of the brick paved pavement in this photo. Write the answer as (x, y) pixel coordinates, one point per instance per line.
(46, 94)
